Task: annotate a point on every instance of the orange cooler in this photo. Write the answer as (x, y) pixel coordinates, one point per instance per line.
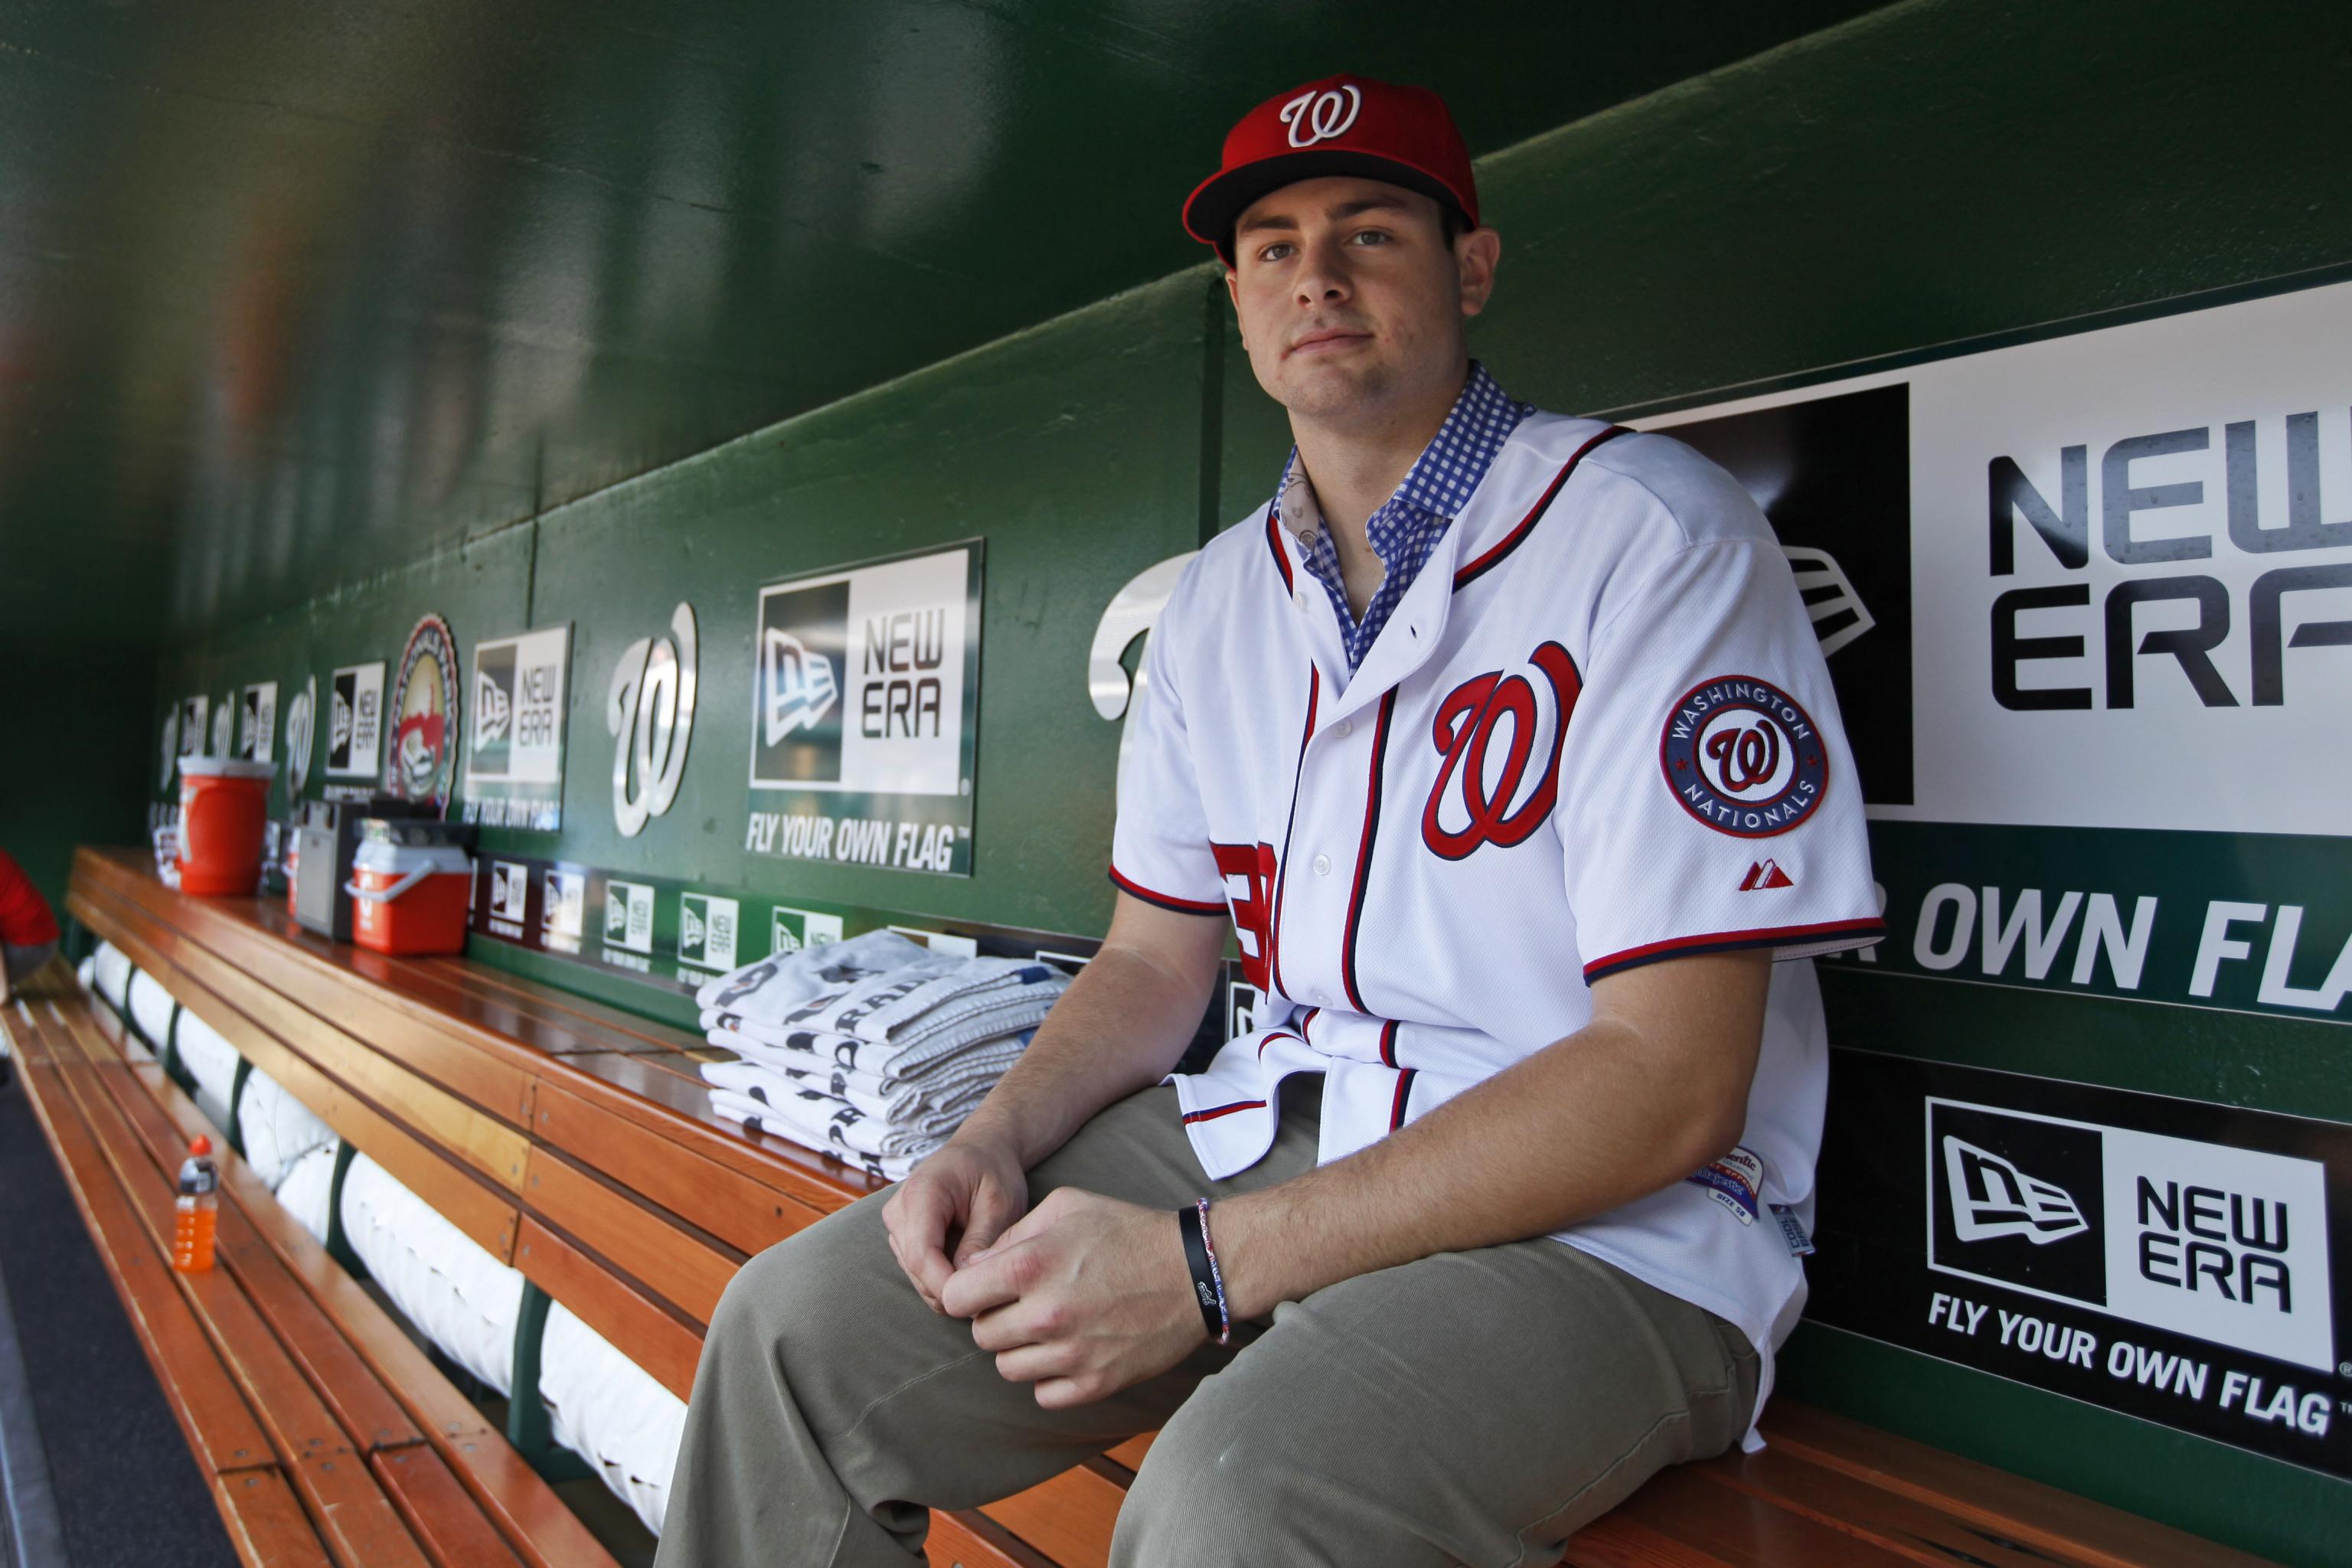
(223, 805)
(409, 890)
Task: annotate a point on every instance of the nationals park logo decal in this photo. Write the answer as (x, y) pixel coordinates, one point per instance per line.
(1490, 730)
(425, 717)
(1743, 758)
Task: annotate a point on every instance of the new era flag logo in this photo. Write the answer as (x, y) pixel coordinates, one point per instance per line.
(1991, 1197)
(1766, 874)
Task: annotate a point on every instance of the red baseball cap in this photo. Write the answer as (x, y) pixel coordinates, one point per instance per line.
(1339, 125)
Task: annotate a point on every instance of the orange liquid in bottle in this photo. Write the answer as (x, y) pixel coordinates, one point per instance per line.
(192, 1234)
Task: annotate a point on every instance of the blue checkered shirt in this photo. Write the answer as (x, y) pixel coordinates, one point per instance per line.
(1410, 522)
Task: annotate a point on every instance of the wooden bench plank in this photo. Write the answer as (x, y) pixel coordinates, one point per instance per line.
(367, 1061)
(27, 1043)
(1891, 1521)
(737, 1208)
(439, 1512)
(1070, 1517)
(611, 1303)
(475, 1208)
(370, 1418)
(265, 1523)
(221, 1430)
(318, 974)
(595, 1024)
(2057, 1523)
(1740, 1527)
(528, 1515)
(1617, 1542)
(692, 1267)
(975, 1541)
(356, 1520)
(665, 1092)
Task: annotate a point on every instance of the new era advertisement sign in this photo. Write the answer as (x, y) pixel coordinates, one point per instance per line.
(2228, 1244)
(865, 714)
(2134, 548)
(2173, 1260)
(514, 754)
(354, 721)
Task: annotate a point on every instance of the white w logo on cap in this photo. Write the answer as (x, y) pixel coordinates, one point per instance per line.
(1319, 116)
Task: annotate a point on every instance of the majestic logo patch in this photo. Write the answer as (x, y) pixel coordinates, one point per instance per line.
(1489, 730)
(1743, 758)
(1765, 874)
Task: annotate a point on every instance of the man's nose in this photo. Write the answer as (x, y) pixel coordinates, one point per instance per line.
(1324, 279)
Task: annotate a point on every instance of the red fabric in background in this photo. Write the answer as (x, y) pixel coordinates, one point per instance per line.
(24, 917)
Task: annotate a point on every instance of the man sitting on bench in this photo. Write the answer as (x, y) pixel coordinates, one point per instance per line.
(1505, 742)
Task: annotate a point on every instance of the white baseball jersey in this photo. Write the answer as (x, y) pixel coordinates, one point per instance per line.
(1596, 732)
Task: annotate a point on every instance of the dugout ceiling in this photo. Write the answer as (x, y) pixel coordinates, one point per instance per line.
(290, 293)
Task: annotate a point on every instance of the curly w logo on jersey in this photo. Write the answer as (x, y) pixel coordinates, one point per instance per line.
(1743, 758)
(1484, 796)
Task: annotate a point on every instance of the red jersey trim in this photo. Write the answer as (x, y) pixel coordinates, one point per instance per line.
(1281, 867)
(1726, 942)
(1273, 543)
(1216, 1110)
(1404, 1098)
(1464, 576)
(1364, 853)
(1165, 900)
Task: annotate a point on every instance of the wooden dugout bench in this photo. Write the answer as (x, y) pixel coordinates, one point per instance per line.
(575, 1141)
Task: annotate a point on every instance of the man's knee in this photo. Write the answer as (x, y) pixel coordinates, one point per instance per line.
(1221, 1488)
(814, 1285)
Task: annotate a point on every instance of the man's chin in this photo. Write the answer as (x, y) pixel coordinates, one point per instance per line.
(1327, 391)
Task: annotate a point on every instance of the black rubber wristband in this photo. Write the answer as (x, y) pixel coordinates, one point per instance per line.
(1204, 1280)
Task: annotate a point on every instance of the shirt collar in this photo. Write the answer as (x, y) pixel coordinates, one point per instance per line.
(1441, 478)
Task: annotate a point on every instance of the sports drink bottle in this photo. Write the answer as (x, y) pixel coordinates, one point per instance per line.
(198, 1210)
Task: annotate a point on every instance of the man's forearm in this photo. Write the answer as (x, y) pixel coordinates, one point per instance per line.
(1600, 1119)
(1121, 1026)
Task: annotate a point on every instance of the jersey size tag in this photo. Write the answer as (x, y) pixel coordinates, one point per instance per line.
(1792, 1230)
(1735, 1181)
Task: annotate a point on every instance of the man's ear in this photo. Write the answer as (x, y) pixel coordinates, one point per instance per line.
(1233, 298)
(1475, 255)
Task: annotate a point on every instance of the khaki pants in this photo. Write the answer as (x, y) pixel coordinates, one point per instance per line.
(1472, 1407)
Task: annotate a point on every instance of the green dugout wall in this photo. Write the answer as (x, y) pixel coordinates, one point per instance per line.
(1927, 181)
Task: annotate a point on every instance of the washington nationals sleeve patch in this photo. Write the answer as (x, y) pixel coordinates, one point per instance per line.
(1742, 757)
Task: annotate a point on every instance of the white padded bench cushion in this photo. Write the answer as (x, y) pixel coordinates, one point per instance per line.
(151, 1008)
(275, 1129)
(611, 1412)
(112, 966)
(457, 1295)
(308, 1184)
(212, 1062)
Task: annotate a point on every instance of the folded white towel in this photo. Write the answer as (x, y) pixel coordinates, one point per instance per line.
(771, 988)
(921, 1002)
(812, 1127)
(829, 1062)
(888, 1126)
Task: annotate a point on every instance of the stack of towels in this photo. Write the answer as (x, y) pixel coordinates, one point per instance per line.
(873, 1050)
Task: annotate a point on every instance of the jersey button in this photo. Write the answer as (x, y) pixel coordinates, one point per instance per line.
(1322, 865)
(1344, 728)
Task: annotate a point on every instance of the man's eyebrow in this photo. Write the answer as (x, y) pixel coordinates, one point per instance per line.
(1344, 210)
